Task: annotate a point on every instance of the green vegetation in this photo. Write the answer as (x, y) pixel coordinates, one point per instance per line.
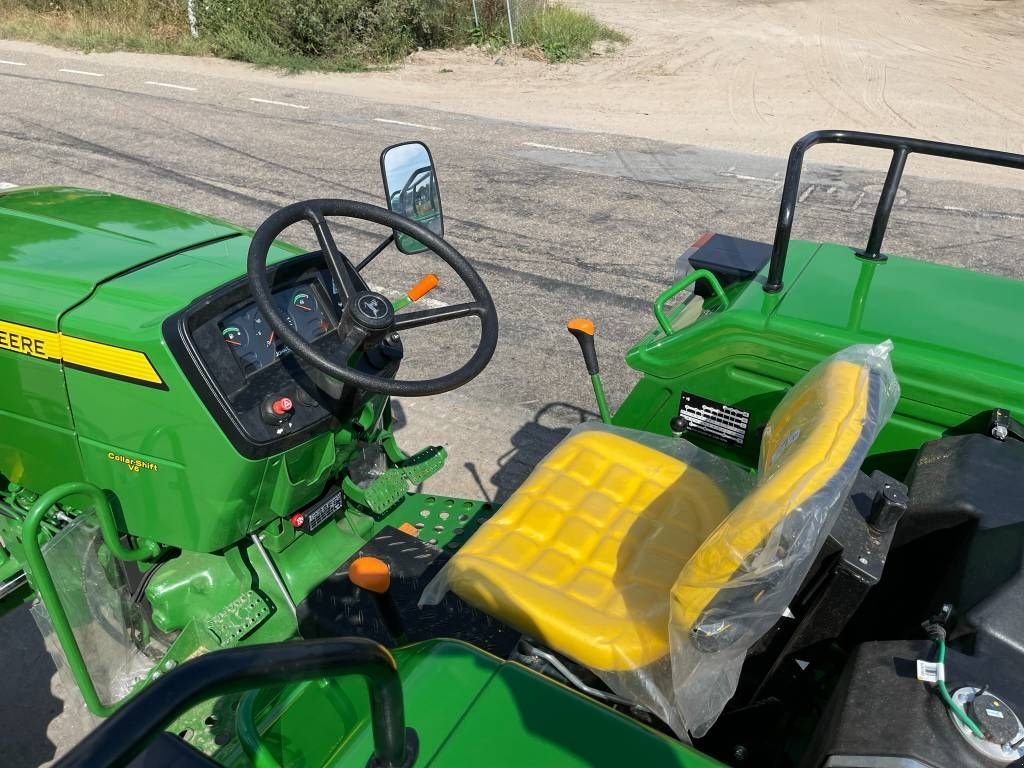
(157, 26)
(564, 34)
(327, 35)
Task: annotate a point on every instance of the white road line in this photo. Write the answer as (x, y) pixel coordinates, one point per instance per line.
(407, 125)
(560, 149)
(742, 177)
(278, 103)
(7, 185)
(13, 63)
(984, 214)
(81, 72)
(170, 85)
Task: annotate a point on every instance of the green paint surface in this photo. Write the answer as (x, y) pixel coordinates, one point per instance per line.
(956, 334)
(468, 708)
(60, 242)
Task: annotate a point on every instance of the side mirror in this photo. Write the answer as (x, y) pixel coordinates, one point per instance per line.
(410, 184)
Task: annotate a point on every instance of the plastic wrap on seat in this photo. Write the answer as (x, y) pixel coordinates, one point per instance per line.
(657, 564)
(739, 582)
(584, 554)
(598, 530)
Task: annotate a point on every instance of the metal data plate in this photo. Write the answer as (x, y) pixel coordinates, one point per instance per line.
(714, 420)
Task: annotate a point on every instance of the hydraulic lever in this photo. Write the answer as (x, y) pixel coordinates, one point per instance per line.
(584, 330)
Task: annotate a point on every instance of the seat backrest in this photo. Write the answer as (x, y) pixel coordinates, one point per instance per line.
(738, 583)
(740, 580)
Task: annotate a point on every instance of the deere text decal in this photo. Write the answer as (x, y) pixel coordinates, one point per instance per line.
(29, 341)
(82, 354)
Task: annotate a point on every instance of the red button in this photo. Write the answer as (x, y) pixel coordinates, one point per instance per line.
(282, 406)
(297, 520)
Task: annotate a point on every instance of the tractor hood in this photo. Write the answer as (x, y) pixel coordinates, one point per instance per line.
(58, 243)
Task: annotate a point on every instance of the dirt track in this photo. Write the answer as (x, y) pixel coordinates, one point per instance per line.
(752, 76)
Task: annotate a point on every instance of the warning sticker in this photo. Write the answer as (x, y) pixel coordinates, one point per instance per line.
(930, 671)
(715, 420)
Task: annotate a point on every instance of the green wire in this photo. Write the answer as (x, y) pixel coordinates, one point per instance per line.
(962, 716)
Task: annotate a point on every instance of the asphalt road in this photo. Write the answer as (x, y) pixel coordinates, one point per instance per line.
(558, 223)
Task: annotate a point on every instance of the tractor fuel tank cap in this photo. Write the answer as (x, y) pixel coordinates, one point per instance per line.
(995, 719)
(1004, 733)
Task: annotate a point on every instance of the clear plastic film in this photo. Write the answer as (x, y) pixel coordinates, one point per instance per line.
(583, 556)
(657, 564)
(743, 577)
(91, 586)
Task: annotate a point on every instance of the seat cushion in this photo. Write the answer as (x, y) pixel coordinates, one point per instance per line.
(812, 446)
(584, 554)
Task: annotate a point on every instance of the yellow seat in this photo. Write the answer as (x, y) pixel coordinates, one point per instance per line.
(809, 441)
(610, 546)
(585, 552)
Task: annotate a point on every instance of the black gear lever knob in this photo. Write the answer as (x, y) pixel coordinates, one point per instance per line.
(583, 330)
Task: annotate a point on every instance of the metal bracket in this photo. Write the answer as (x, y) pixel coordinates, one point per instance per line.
(1002, 425)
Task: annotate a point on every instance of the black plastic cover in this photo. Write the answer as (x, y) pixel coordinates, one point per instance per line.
(730, 259)
(963, 536)
(168, 751)
(880, 710)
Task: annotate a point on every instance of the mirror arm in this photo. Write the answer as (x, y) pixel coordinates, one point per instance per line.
(376, 252)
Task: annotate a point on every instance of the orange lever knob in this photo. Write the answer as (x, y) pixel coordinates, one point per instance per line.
(581, 325)
(370, 573)
(423, 287)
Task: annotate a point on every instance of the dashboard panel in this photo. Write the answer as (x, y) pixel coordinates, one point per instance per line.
(251, 339)
(229, 354)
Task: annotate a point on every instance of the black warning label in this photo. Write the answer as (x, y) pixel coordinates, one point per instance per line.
(719, 422)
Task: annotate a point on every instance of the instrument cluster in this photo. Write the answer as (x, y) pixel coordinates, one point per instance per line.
(251, 339)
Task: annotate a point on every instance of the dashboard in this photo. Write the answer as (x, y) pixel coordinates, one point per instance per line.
(252, 341)
(245, 376)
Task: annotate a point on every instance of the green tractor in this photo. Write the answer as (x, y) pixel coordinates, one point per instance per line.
(799, 542)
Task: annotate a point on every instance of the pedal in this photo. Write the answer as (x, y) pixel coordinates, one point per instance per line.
(238, 618)
(390, 487)
(424, 464)
(386, 490)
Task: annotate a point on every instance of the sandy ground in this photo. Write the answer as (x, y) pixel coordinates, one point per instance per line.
(750, 76)
(742, 76)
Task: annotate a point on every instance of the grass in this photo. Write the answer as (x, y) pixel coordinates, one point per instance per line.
(565, 34)
(296, 35)
(142, 29)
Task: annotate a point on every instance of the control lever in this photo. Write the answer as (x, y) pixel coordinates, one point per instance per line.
(374, 575)
(584, 330)
(417, 292)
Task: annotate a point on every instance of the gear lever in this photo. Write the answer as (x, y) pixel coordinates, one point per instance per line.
(584, 330)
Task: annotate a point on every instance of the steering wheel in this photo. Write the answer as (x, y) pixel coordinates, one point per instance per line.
(368, 316)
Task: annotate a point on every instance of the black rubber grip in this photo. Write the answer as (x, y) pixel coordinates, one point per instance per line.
(589, 348)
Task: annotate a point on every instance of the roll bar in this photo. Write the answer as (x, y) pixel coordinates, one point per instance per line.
(126, 733)
(901, 147)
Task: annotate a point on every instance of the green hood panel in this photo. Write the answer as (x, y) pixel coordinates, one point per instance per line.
(58, 243)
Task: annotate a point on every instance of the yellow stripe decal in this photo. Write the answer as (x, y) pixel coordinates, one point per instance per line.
(80, 353)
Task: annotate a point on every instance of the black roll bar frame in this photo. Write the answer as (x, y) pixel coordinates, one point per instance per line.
(901, 148)
(126, 733)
